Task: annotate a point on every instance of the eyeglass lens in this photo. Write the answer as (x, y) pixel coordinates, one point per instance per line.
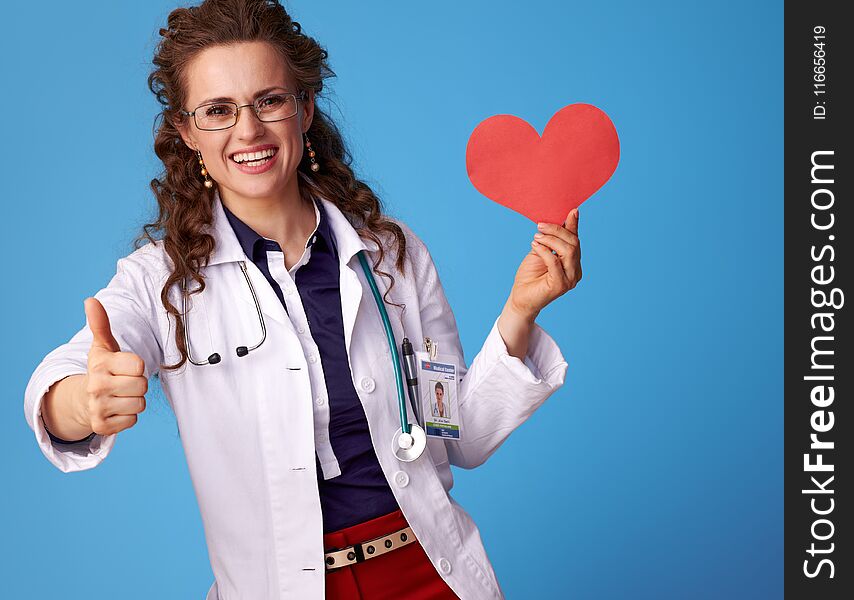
(221, 115)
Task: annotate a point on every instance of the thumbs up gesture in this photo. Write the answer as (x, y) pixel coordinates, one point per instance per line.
(115, 383)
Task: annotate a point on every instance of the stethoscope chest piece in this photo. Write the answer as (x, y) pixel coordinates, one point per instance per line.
(409, 446)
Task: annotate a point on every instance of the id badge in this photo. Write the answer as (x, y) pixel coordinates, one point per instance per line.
(437, 384)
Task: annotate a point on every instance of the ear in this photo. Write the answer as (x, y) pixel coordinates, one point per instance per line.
(184, 127)
(308, 111)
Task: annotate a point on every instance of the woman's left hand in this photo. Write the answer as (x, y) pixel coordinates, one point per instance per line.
(544, 276)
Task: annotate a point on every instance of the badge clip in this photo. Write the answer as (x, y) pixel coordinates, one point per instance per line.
(431, 347)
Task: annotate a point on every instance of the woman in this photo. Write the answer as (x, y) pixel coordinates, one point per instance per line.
(275, 360)
(439, 409)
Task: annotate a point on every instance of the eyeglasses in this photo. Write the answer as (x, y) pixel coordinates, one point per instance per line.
(214, 116)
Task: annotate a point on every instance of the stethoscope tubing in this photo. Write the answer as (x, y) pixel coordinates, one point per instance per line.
(244, 350)
(401, 397)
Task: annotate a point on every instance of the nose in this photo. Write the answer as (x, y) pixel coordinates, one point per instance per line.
(248, 125)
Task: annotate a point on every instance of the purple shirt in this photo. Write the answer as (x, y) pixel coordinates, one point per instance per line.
(361, 491)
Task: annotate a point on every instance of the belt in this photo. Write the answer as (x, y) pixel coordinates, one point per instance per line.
(363, 551)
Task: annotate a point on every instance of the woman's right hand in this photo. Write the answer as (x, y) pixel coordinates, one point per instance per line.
(114, 384)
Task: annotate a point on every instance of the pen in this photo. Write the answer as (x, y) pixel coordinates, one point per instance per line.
(410, 369)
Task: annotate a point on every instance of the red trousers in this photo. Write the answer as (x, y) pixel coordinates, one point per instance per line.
(404, 573)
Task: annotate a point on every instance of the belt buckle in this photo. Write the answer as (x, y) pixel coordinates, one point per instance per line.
(359, 552)
(355, 554)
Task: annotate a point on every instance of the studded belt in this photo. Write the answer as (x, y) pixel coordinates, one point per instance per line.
(367, 550)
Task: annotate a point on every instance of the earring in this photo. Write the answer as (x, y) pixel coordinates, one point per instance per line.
(208, 180)
(311, 154)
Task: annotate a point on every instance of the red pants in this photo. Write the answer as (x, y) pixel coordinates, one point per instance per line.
(402, 573)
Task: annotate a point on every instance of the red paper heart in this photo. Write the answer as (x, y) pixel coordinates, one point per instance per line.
(543, 178)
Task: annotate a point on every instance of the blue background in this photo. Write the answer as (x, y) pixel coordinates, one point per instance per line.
(655, 472)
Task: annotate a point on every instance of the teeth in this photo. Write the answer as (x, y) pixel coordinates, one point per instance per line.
(245, 156)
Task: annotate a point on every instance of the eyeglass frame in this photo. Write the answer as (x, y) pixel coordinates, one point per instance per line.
(297, 98)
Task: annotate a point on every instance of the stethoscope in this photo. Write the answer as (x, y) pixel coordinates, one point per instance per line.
(410, 440)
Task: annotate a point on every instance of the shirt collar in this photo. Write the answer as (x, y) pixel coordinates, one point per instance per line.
(227, 247)
(253, 244)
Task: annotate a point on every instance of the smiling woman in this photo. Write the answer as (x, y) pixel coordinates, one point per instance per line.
(264, 233)
(204, 85)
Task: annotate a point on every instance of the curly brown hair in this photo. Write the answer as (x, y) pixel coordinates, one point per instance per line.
(185, 205)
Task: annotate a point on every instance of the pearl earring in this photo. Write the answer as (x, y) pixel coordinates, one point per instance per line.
(208, 180)
(311, 154)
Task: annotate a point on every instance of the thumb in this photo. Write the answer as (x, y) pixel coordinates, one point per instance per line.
(99, 325)
(571, 222)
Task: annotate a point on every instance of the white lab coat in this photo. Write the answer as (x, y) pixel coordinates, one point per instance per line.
(250, 427)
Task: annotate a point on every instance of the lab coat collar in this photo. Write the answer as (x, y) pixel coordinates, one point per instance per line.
(228, 248)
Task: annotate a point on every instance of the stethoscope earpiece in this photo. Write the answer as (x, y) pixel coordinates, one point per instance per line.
(241, 350)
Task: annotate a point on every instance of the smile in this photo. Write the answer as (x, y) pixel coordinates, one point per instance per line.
(254, 159)
(254, 163)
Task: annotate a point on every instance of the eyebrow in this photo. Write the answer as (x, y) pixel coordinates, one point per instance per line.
(257, 95)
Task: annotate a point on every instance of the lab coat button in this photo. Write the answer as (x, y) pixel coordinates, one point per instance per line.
(321, 437)
(401, 479)
(301, 329)
(319, 401)
(312, 359)
(445, 566)
(368, 384)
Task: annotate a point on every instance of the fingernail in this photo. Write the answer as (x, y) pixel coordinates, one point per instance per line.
(538, 235)
(533, 243)
(541, 225)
